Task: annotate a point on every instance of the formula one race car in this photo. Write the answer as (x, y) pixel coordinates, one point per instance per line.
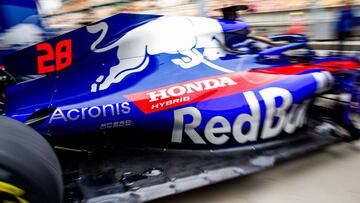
(138, 107)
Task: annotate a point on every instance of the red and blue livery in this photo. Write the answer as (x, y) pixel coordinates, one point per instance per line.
(165, 84)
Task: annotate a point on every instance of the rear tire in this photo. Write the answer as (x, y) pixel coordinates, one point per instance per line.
(28, 163)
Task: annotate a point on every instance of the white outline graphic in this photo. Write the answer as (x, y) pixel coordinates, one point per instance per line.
(171, 35)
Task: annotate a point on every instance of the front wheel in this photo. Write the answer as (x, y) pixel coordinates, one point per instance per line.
(29, 169)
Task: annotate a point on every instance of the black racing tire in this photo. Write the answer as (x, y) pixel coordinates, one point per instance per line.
(31, 161)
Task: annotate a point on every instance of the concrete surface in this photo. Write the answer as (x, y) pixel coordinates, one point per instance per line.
(331, 175)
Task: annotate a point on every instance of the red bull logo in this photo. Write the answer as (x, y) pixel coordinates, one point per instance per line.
(170, 35)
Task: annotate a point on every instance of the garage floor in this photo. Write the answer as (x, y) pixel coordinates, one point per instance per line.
(331, 176)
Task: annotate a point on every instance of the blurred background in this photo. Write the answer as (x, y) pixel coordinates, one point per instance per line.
(326, 22)
(318, 17)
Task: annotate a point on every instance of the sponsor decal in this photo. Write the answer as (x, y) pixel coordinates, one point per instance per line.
(183, 36)
(117, 124)
(218, 129)
(90, 112)
(199, 90)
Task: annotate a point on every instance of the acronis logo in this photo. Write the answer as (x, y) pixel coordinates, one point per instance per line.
(93, 112)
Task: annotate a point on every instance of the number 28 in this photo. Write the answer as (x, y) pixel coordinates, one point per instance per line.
(52, 61)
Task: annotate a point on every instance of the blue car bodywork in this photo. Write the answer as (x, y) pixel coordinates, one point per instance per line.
(186, 101)
(167, 82)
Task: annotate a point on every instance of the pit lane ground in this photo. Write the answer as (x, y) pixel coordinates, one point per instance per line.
(331, 175)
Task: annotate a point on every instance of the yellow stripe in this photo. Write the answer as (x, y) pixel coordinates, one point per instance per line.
(12, 190)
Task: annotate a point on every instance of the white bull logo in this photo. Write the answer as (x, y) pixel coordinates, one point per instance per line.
(171, 35)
